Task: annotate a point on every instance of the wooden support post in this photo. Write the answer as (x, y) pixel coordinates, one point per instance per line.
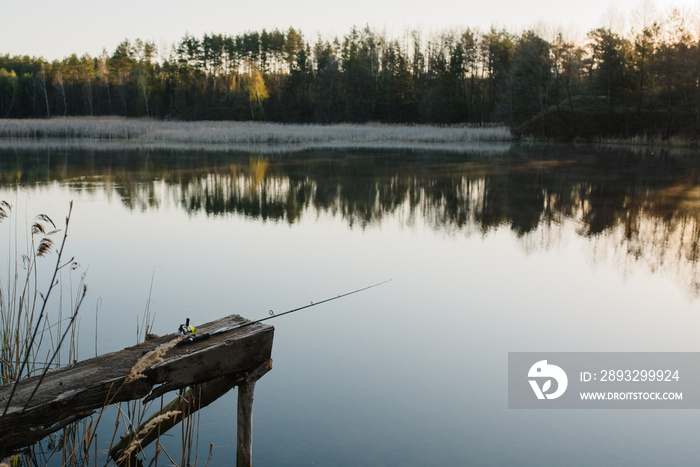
(246, 388)
(244, 452)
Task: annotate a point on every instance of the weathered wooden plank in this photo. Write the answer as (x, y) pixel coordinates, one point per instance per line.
(90, 384)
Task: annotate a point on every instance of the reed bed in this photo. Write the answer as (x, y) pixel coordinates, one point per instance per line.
(482, 148)
(35, 333)
(31, 336)
(162, 134)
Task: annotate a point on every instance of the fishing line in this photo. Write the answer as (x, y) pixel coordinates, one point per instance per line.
(272, 314)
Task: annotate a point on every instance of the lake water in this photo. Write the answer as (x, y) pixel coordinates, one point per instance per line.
(496, 250)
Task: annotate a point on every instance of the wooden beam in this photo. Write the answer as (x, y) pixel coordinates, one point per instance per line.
(195, 398)
(184, 405)
(91, 384)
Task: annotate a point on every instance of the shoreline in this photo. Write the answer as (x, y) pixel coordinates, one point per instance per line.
(117, 133)
(481, 147)
(218, 135)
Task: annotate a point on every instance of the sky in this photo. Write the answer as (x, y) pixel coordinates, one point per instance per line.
(55, 29)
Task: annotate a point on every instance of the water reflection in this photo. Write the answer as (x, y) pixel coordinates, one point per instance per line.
(640, 206)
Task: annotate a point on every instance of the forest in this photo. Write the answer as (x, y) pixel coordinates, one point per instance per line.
(642, 83)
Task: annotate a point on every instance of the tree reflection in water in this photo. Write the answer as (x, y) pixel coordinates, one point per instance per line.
(641, 207)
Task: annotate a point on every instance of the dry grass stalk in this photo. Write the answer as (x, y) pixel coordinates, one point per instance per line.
(162, 448)
(148, 360)
(4, 209)
(136, 442)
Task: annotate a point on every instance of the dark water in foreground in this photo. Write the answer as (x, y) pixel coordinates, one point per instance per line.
(490, 252)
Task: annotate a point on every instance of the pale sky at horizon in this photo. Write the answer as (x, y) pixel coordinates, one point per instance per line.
(55, 30)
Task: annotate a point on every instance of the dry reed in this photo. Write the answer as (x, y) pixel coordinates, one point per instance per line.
(148, 360)
(22, 332)
(162, 134)
(136, 442)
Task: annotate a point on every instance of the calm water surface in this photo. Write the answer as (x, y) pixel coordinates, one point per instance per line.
(493, 251)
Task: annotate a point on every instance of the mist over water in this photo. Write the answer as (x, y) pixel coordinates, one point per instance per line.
(556, 248)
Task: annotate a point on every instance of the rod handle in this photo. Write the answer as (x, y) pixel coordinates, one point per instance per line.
(193, 339)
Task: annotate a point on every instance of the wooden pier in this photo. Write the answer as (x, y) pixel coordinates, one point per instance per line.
(148, 370)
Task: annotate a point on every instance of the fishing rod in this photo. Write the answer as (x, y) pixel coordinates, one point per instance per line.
(186, 328)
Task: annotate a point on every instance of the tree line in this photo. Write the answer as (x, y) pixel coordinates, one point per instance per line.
(646, 79)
